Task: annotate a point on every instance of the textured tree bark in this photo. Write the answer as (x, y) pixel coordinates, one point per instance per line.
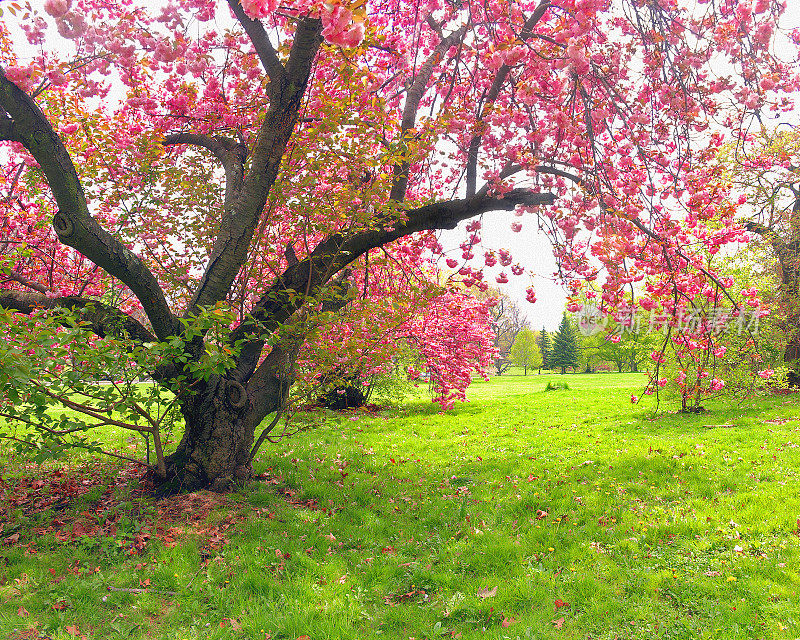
(222, 418)
(214, 452)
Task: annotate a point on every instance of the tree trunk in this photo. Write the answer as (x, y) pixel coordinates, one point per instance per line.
(221, 422)
(792, 352)
(214, 452)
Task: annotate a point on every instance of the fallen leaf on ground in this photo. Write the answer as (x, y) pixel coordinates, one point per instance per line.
(507, 622)
(540, 514)
(22, 612)
(486, 592)
(559, 623)
(560, 603)
(72, 630)
(235, 624)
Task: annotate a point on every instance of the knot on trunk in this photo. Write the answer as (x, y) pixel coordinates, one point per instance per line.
(236, 394)
(62, 225)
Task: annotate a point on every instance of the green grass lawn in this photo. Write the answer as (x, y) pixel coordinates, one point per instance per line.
(521, 514)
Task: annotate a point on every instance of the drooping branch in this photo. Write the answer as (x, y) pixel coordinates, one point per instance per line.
(241, 216)
(555, 171)
(73, 223)
(413, 98)
(103, 319)
(491, 96)
(258, 36)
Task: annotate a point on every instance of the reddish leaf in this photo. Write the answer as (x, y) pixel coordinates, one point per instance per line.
(22, 612)
(72, 630)
(540, 514)
(559, 623)
(507, 622)
(560, 603)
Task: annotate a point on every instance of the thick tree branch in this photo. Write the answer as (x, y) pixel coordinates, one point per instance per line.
(103, 319)
(268, 388)
(309, 276)
(413, 98)
(491, 96)
(241, 216)
(258, 36)
(26, 282)
(230, 154)
(73, 224)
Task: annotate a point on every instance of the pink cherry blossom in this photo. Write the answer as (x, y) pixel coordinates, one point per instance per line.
(57, 8)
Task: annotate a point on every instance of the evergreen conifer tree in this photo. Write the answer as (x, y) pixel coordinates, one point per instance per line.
(565, 347)
(545, 347)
